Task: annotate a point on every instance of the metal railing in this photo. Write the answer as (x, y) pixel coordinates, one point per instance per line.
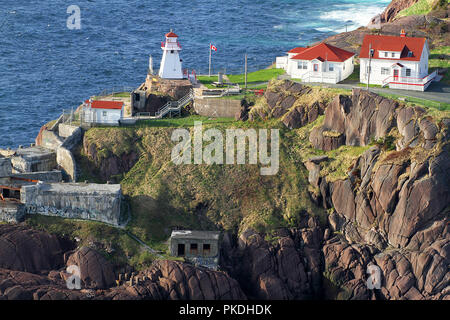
(318, 76)
(221, 93)
(171, 106)
(114, 90)
(409, 80)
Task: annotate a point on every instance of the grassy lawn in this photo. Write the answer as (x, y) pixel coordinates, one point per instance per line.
(182, 122)
(207, 81)
(437, 109)
(364, 85)
(258, 76)
(421, 7)
(436, 62)
(121, 95)
(114, 95)
(354, 77)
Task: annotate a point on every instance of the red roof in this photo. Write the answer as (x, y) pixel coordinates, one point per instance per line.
(324, 52)
(393, 43)
(171, 35)
(297, 50)
(100, 104)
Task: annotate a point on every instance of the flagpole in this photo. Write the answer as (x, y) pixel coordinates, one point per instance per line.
(210, 59)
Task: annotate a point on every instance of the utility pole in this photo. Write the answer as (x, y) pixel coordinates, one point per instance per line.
(369, 68)
(209, 59)
(245, 71)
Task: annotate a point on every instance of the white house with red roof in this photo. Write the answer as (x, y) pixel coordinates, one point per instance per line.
(321, 63)
(171, 63)
(103, 112)
(399, 62)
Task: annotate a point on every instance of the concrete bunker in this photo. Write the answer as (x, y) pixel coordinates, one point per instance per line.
(201, 248)
(31, 159)
(99, 202)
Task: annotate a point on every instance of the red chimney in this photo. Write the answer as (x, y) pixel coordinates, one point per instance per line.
(403, 33)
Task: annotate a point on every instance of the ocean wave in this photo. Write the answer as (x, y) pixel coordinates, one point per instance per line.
(324, 29)
(353, 15)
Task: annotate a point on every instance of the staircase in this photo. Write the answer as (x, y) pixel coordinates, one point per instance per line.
(170, 107)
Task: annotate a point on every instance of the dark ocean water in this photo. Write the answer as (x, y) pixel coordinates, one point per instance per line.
(45, 67)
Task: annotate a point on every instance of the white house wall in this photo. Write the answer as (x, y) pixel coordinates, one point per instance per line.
(377, 78)
(423, 66)
(349, 68)
(282, 62)
(419, 69)
(97, 116)
(323, 75)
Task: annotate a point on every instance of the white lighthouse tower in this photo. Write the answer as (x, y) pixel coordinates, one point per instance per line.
(171, 64)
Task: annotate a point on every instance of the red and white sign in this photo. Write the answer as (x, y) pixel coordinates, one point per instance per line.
(212, 47)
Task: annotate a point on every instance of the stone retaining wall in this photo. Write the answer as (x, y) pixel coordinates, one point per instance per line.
(217, 108)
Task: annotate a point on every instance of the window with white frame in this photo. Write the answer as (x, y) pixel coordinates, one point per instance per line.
(386, 54)
(408, 72)
(331, 67)
(385, 71)
(105, 113)
(303, 65)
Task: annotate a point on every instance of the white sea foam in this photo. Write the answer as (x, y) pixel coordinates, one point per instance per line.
(353, 15)
(324, 29)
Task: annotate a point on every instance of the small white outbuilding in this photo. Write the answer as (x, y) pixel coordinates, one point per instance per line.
(103, 112)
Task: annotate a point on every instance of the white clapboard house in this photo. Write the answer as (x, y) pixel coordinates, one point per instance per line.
(399, 62)
(103, 112)
(322, 63)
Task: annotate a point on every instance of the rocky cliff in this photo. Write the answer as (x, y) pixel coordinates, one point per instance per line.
(394, 8)
(364, 181)
(33, 266)
(388, 208)
(393, 206)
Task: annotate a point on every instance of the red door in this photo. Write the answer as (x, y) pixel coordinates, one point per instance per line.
(395, 74)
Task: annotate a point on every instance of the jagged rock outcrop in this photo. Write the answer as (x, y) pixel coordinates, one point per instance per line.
(393, 9)
(355, 120)
(23, 249)
(166, 280)
(32, 268)
(183, 281)
(96, 272)
(282, 102)
(394, 204)
(400, 192)
(288, 267)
